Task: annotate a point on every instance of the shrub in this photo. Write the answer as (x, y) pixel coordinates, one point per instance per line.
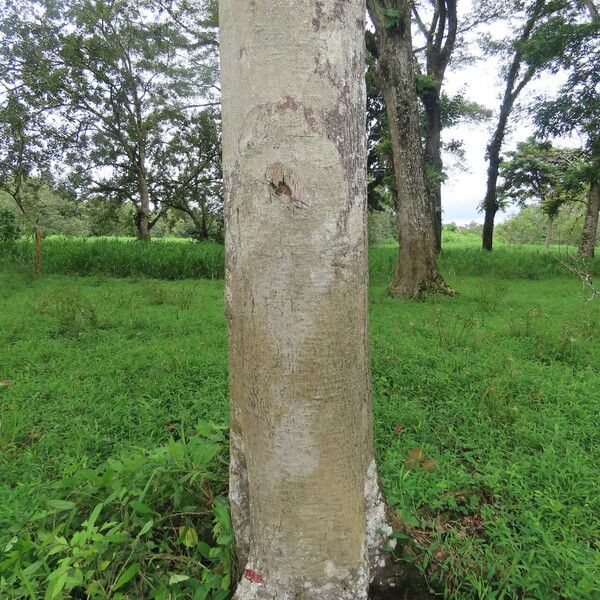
(9, 228)
(148, 525)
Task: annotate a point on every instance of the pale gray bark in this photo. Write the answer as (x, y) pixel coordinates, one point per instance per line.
(306, 507)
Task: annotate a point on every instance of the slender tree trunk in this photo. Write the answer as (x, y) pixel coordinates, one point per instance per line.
(490, 203)
(306, 508)
(433, 158)
(37, 260)
(440, 39)
(416, 271)
(514, 86)
(549, 231)
(143, 210)
(204, 222)
(199, 221)
(590, 225)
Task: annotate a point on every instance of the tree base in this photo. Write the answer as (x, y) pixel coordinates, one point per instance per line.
(395, 581)
(417, 290)
(400, 581)
(286, 590)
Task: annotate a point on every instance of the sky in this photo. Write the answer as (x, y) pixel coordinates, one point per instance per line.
(464, 188)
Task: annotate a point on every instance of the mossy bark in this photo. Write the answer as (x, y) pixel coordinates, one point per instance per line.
(416, 271)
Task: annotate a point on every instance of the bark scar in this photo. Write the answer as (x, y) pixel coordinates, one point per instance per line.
(283, 185)
(282, 188)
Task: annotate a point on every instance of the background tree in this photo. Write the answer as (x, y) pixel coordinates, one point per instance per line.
(529, 225)
(131, 73)
(306, 509)
(188, 175)
(440, 35)
(416, 271)
(21, 157)
(31, 134)
(517, 75)
(568, 43)
(538, 172)
(9, 226)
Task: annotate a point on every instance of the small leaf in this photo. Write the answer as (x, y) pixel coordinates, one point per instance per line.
(58, 586)
(62, 504)
(91, 520)
(188, 536)
(11, 544)
(128, 575)
(177, 578)
(204, 549)
(147, 527)
(141, 508)
(226, 582)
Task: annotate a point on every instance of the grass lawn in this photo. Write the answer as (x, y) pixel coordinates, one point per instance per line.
(486, 412)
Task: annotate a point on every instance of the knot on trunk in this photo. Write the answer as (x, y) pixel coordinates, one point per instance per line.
(283, 186)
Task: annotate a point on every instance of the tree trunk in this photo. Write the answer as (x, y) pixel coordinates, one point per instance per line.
(416, 270)
(590, 225)
(488, 226)
(490, 203)
(440, 41)
(204, 234)
(433, 158)
(143, 210)
(37, 261)
(306, 508)
(549, 230)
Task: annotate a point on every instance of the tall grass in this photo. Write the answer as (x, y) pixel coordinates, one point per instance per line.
(174, 259)
(122, 257)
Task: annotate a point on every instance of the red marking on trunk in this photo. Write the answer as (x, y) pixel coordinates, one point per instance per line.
(253, 576)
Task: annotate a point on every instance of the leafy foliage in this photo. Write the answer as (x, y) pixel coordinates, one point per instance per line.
(570, 44)
(123, 79)
(528, 226)
(9, 228)
(538, 172)
(146, 524)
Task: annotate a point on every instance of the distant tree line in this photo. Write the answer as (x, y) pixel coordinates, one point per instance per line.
(115, 101)
(112, 108)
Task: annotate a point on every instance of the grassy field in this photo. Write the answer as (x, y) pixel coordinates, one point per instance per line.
(486, 414)
(174, 258)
